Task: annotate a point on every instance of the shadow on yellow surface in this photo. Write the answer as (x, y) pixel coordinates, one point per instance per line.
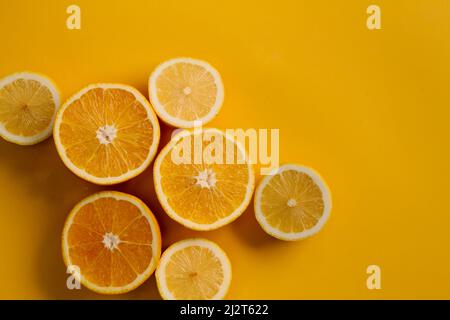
(41, 168)
(248, 229)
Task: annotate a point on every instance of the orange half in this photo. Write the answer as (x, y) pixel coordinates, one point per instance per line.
(107, 133)
(211, 192)
(113, 240)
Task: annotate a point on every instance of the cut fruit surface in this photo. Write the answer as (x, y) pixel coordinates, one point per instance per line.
(28, 104)
(186, 91)
(114, 241)
(107, 133)
(202, 191)
(194, 269)
(293, 203)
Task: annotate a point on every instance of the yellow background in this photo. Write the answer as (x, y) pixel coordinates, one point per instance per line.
(368, 109)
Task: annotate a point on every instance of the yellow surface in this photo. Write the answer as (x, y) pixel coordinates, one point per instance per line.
(368, 109)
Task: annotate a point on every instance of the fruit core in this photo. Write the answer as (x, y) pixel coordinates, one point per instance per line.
(111, 241)
(106, 134)
(187, 91)
(206, 178)
(291, 203)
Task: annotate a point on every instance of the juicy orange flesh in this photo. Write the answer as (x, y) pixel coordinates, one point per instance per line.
(26, 107)
(194, 273)
(199, 204)
(96, 109)
(98, 264)
(172, 84)
(297, 186)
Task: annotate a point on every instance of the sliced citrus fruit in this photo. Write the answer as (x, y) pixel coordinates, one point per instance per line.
(28, 104)
(200, 189)
(107, 133)
(113, 240)
(193, 269)
(184, 91)
(293, 203)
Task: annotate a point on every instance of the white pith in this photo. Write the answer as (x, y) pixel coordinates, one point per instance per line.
(291, 203)
(111, 241)
(106, 134)
(187, 91)
(206, 179)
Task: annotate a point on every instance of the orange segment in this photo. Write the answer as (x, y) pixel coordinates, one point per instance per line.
(121, 271)
(107, 134)
(207, 195)
(135, 232)
(114, 240)
(136, 255)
